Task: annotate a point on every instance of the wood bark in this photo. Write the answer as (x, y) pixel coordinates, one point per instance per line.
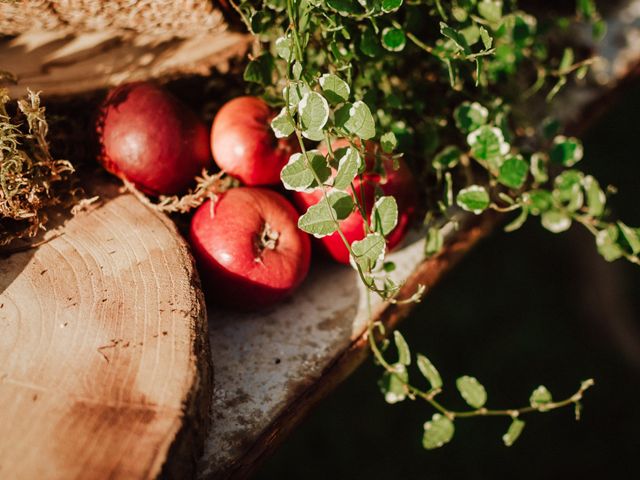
(183, 18)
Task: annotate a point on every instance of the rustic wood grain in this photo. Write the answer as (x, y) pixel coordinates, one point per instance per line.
(272, 367)
(103, 355)
(182, 18)
(60, 64)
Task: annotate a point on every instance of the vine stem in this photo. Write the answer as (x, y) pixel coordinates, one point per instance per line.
(428, 396)
(241, 13)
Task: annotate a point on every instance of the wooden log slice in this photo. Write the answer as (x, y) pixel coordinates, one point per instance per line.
(103, 354)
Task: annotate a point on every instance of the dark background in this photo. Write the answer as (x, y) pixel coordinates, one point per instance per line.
(522, 309)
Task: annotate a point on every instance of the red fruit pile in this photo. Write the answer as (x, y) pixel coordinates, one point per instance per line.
(249, 249)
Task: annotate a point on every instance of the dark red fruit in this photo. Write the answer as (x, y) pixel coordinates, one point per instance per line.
(150, 138)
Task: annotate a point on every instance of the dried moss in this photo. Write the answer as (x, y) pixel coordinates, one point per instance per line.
(31, 180)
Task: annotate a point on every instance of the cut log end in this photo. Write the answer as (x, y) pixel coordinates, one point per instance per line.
(104, 364)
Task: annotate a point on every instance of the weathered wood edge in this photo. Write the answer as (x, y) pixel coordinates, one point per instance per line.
(427, 273)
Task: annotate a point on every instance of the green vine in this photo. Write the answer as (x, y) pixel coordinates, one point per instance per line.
(460, 89)
(440, 429)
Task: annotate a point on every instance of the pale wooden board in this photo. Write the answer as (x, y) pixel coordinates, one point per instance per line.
(272, 367)
(103, 353)
(62, 64)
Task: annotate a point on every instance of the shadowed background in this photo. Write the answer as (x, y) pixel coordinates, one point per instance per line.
(522, 309)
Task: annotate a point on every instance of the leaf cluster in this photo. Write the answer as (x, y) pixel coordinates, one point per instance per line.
(461, 88)
(453, 85)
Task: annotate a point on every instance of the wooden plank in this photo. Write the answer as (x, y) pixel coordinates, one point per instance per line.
(104, 363)
(272, 367)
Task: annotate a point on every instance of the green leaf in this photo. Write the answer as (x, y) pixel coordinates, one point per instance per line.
(315, 135)
(596, 198)
(342, 203)
(384, 215)
(567, 59)
(556, 221)
(299, 175)
(369, 43)
(472, 391)
(389, 142)
(471, 34)
(393, 39)
(319, 220)
(404, 354)
(356, 119)
(429, 371)
(259, 70)
(631, 237)
(344, 7)
(389, 6)
(539, 168)
(487, 39)
(470, 116)
(296, 70)
(284, 47)
(568, 189)
(456, 37)
(437, 431)
(514, 431)
(334, 88)
(282, 125)
(606, 241)
(434, 242)
(459, 13)
(389, 267)
(491, 10)
(487, 143)
(587, 8)
(447, 158)
(540, 397)
(369, 251)
(566, 151)
(513, 172)
(348, 167)
(393, 385)
(566, 182)
(538, 201)
(296, 91)
(473, 199)
(314, 111)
